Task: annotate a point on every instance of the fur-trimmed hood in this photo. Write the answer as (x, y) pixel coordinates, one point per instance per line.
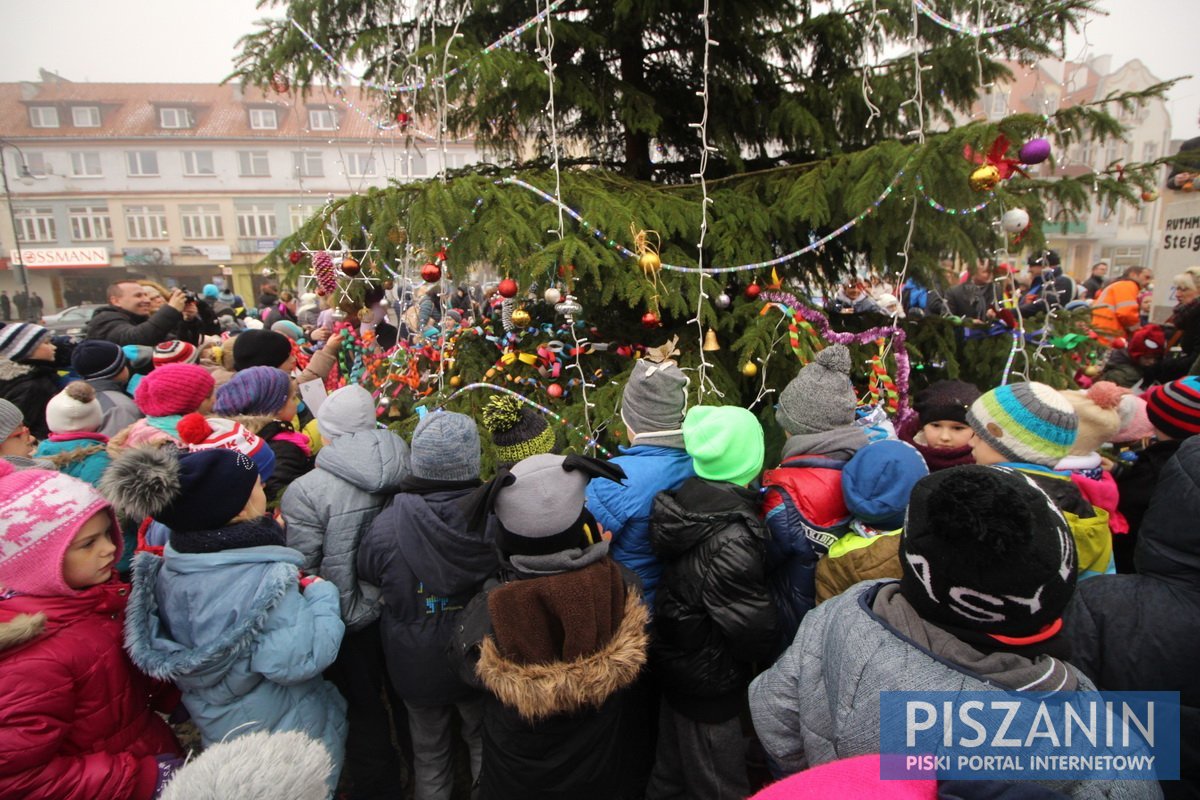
(538, 691)
(139, 434)
(253, 422)
(20, 630)
(11, 370)
(260, 765)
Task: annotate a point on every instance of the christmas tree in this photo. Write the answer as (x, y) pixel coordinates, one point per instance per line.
(793, 144)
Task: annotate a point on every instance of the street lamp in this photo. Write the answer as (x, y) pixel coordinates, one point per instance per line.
(22, 274)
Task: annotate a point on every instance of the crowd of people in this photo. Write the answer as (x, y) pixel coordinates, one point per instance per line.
(192, 547)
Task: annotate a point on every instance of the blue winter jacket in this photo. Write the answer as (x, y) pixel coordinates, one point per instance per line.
(85, 467)
(625, 508)
(232, 630)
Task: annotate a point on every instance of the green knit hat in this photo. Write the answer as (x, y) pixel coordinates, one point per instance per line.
(725, 443)
(517, 431)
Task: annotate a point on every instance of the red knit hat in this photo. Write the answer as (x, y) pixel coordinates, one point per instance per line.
(1174, 408)
(173, 389)
(1147, 340)
(174, 352)
(42, 512)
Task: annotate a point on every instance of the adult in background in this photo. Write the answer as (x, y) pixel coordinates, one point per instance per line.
(1095, 281)
(5, 305)
(1050, 289)
(128, 318)
(1115, 311)
(37, 306)
(1185, 325)
(976, 298)
(21, 301)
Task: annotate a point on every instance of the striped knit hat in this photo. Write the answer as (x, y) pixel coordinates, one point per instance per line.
(517, 431)
(175, 352)
(19, 340)
(1025, 422)
(198, 433)
(1174, 408)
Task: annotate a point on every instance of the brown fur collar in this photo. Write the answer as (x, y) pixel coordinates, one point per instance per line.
(538, 691)
(253, 423)
(21, 629)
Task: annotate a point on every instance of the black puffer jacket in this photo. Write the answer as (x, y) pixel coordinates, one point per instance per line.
(124, 327)
(1142, 632)
(713, 612)
(29, 385)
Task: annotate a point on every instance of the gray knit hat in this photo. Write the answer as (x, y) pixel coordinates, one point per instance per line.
(445, 447)
(820, 398)
(10, 419)
(654, 403)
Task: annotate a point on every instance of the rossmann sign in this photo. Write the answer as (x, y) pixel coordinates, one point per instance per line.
(68, 257)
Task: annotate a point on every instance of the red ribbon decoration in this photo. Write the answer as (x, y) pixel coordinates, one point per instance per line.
(995, 156)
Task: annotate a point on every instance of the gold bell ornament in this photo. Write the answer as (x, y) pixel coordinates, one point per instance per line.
(710, 342)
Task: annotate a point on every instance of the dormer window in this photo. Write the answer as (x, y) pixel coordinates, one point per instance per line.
(85, 116)
(43, 117)
(322, 119)
(174, 118)
(263, 119)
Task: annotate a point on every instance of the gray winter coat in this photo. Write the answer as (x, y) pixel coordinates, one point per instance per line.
(330, 508)
(820, 701)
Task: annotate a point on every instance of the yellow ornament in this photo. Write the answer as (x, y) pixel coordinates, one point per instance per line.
(649, 262)
(521, 318)
(985, 178)
(456, 381)
(749, 369)
(1091, 370)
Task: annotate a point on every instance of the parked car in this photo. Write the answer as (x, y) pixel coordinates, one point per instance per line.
(71, 321)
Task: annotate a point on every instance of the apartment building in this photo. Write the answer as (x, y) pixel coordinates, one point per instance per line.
(183, 183)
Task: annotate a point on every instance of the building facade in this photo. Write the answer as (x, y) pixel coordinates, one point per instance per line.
(183, 183)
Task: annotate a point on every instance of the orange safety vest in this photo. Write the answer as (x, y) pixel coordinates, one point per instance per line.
(1116, 310)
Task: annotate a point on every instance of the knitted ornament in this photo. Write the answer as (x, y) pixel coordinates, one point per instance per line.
(42, 511)
(517, 431)
(1174, 408)
(175, 352)
(1099, 419)
(74, 409)
(985, 549)
(1025, 422)
(198, 433)
(322, 263)
(173, 389)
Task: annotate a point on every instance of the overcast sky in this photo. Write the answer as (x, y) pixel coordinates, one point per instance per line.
(193, 41)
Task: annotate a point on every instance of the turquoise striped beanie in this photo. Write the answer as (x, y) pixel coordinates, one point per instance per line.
(1025, 422)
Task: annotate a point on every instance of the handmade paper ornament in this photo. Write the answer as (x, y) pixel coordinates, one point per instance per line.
(431, 273)
(1015, 220)
(552, 295)
(508, 288)
(1035, 151)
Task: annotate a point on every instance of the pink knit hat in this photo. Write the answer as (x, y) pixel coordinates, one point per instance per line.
(1135, 425)
(854, 778)
(173, 389)
(42, 512)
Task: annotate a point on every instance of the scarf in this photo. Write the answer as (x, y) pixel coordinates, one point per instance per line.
(235, 535)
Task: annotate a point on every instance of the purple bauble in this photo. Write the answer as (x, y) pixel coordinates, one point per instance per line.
(1035, 151)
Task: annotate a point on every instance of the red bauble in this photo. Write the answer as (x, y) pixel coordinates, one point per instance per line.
(565, 270)
(508, 288)
(753, 291)
(431, 272)
(280, 83)
(295, 256)
(554, 390)
(404, 119)
(650, 320)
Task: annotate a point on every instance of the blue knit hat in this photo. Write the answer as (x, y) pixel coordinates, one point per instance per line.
(255, 390)
(95, 359)
(878, 480)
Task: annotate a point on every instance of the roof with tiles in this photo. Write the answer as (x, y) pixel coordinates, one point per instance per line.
(218, 111)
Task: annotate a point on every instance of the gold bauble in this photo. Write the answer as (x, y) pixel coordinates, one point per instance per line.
(985, 178)
(397, 235)
(1092, 370)
(749, 369)
(521, 318)
(650, 262)
(456, 381)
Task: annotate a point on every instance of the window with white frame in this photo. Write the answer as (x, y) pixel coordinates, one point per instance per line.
(85, 116)
(174, 118)
(298, 215)
(1139, 217)
(1106, 211)
(86, 165)
(202, 221)
(43, 117)
(997, 104)
(308, 163)
(253, 164)
(1119, 258)
(263, 119)
(1087, 152)
(1113, 151)
(360, 165)
(146, 222)
(198, 162)
(90, 223)
(35, 164)
(412, 164)
(1149, 151)
(322, 119)
(256, 222)
(141, 163)
(36, 224)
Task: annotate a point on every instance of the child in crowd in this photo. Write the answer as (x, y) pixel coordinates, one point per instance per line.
(876, 484)
(76, 719)
(554, 644)
(16, 443)
(28, 376)
(264, 400)
(713, 613)
(1173, 410)
(164, 396)
(174, 351)
(327, 512)
(940, 431)
(803, 504)
(75, 446)
(103, 365)
(1139, 363)
(1030, 427)
(1099, 422)
(224, 613)
(517, 430)
(971, 531)
(429, 561)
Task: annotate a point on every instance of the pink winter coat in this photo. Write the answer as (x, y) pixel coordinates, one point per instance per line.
(1103, 493)
(76, 718)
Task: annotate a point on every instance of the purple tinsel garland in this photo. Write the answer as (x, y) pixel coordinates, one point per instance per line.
(821, 323)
